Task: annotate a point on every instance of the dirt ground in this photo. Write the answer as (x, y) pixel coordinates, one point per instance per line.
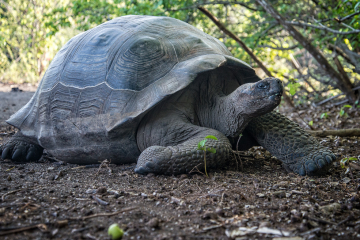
(53, 200)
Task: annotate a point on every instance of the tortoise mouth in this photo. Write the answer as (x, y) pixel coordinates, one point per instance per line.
(275, 96)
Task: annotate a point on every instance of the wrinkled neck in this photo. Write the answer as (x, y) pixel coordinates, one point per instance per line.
(226, 115)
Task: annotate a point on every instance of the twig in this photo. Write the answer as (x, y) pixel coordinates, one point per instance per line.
(41, 226)
(215, 3)
(196, 167)
(98, 200)
(340, 133)
(104, 214)
(321, 27)
(319, 220)
(104, 163)
(346, 17)
(278, 48)
(353, 165)
(237, 151)
(349, 218)
(8, 193)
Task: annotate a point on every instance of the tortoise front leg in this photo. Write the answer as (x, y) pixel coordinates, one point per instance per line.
(182, 158)
(297, 149)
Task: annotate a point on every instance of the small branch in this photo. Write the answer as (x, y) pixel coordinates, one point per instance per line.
(8, 193)
(340, 52)
(342, 72)
(355, 166)
(340, 133)
(215, 3)
(346, 17)
(278, 48)
(322, 27)
(21, 229)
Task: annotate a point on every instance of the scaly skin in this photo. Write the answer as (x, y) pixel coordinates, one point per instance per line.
(21, 149)
(184, 157)
(297, 149)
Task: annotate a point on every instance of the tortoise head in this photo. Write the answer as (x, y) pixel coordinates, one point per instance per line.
(255, 99)
(246, 102)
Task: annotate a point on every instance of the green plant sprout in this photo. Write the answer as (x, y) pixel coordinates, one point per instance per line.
(311, 123)
(324, 115)
(345, 162)
(342, 111)
(202, 147)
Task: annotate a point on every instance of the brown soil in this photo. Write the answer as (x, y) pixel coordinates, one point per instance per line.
(65, 201)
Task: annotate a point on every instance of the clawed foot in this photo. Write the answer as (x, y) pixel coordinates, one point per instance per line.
(21, 151)
(313, 163)
(154, 159)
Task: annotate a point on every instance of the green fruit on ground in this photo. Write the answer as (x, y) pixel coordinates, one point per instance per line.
(115, 232)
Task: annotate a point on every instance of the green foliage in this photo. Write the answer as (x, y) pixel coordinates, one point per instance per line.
(202, 147)
(342, 112)
(324, 115)
(27, 42)
(345, 161)
(32, 32)
(311, 123)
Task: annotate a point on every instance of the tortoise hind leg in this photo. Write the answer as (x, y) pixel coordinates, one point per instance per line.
(297, 149)
(21, 149)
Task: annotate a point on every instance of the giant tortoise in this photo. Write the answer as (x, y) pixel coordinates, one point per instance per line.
(148, 89)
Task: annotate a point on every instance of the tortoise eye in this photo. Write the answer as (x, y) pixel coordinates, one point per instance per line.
(262, 85)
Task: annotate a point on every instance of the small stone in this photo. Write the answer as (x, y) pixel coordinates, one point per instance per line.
(264, 224)
(346, 180)
(260, 195)
(288, 238)
(183, 176)
(283, 208)
(153, 223)
(279, 194)
(91, 191)
(304, 208)
(101, 190)
(210, 215)
(330, 208)
(219, 211)
(283, 184)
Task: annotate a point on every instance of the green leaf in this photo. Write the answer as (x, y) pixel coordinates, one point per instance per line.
(347, 106)
(353, 158)
(293, 87)
(342, 112)
(343, 162)
(211, 137)
(311, 123)
(357, 6)
(202, 143)
(212, 150)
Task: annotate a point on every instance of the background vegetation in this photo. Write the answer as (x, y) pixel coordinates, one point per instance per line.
(33, 31)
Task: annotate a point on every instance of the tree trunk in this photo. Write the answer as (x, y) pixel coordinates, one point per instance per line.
(287, 99)
(343, 86)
